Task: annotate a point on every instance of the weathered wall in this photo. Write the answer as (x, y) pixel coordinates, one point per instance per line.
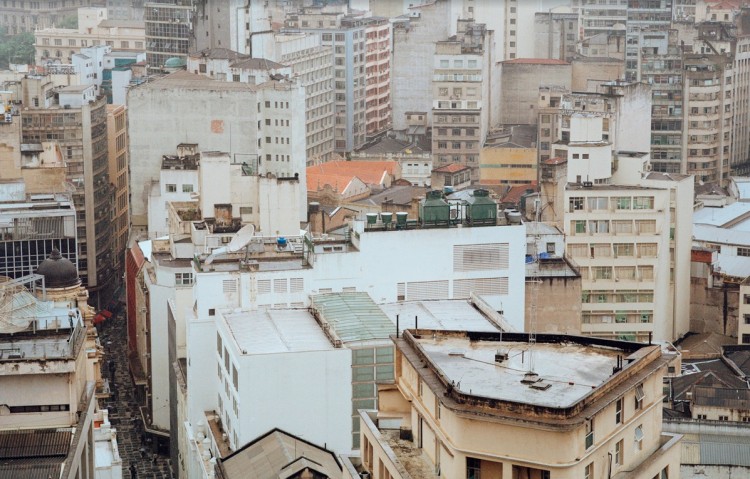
(707, 308)
(558, 305)
(688, 471)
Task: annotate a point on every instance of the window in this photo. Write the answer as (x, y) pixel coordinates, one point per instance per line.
(643, 203)
(473, 468)
(618, 411)
(183, 279)
(743, 251)
(622, 203)
(589, 433)
(639, 437)
(746, 339)
(187, 188)
(639, 395)
(218, 344)
(723, 418)
(619, 452)
(576, 203)
(588, 472)
(171, 188)
(579, 226)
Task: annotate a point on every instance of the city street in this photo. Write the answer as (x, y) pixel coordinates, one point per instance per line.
(135, 448)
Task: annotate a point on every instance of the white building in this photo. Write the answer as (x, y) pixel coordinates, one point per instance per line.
(269, 137)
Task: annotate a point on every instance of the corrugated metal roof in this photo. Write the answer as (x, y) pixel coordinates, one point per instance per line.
(722, 397)
(713, 449)
(353, 316)
(36, 443)
(30, 471)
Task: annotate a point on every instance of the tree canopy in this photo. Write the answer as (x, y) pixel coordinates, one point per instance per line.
(16, 49)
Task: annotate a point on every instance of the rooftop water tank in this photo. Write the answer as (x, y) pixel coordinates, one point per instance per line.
(482, 209)
(434, 210)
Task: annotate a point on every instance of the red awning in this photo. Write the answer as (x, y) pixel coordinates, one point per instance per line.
(98, 319)
(105, 313)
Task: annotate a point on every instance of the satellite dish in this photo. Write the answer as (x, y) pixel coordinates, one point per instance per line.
(241, 239)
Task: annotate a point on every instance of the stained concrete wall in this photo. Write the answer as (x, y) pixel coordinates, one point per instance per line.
(558, 305)
(707, 308)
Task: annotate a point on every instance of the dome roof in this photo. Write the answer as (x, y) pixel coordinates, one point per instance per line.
(58, 272)
(174, 62)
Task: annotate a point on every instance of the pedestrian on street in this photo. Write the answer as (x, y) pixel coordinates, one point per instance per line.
(133, 472)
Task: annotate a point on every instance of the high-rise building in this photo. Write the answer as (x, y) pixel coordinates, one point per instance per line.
(17, 17)
(601, 17)
(169, 31)
(378, 75)
(76, 118)
(118, 144)
(462, 105)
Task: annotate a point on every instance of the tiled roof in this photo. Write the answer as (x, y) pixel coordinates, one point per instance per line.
(452, 168)
(722, 397)
(219, 54)
(340, 173)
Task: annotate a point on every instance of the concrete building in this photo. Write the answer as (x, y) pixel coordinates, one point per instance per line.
(740, 147)
(743, 325)
(31, 226)
(346, 35)
(118, 145)
(616, 218)
(462, 105)
(556, 34)
(644, 16)
(601, 17)
(589, 72)
(451, 398)
(414, 37)
(378, 75)
(169, 32)
(521, 79)
(57, 45)
(125, 9)
(79, 117)
(509, 157)
(47, 378)
(28, 16)
(212, 114)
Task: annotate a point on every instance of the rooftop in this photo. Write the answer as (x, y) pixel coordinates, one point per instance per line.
(535, 61)
(726, 217)
(543, 380)
(452, 168)
(447, 314)
(352, 316)
(219, 54)
(339, 173)
(274, 331)
(257, 64)
(722, 397)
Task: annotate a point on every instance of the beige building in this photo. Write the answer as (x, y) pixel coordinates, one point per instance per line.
(378, 71)
(496, 405)
(462, 103)
(588, 72)
(55, 44)
(509, 157)
(743, 326)
(118, 144)
(521, 79)
(26, 16)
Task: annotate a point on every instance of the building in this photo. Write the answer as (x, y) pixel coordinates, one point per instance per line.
(212, 114)
(451, 397)
(346, 35)
(740, 162)
(118, 145)
(414, 38)
(18, 18)
(31, 226)
(169, 32)
(47, 383)
(125, 9)
(556, 34)
(378, 75)
(601, 17)
(521, 79)
(743, 325)
(79, 117)
(56, 45)
(644, 17)
(509, 157)
(279, 453)
(462, 105)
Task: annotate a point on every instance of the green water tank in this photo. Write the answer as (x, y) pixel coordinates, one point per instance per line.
(434, 210)
(482, 210)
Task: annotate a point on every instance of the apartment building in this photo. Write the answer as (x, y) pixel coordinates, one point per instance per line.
(378, 75)
(55, 45)
(27, 16)
(708, 104)
(117, 146)
(346, 35)
(556, 35)
(269, 137)
(644, 16)
(601, 17)
(740, 147)
(76, 118)
(125, 9)
(521, 79)
(455, 391)
(462, 102)
(743, 326)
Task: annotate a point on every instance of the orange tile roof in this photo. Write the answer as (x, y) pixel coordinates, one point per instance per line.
(452, 168)
(340, 173)
(537, 61)
(516, 192)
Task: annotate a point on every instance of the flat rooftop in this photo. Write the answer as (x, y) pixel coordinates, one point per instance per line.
(275, 331)
(471, 365)
(449, 315)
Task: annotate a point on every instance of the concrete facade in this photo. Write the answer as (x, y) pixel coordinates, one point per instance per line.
(118, 146)
(521, 80)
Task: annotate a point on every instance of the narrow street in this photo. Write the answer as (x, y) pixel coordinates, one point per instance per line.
(123, 409)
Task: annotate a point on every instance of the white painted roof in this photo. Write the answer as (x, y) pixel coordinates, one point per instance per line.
(276, 331)
(720, 216)
(447, 315)
(559, 364)
(713, 234)
(732, 265)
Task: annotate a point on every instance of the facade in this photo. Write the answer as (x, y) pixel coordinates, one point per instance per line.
(28, 16)
(55, 45)
(32, 226)
(378, 75)
(509, 157)
(462, 103)
(644, 16)
(169, 31)
(212, 114)
(346, 36)
(740, 148)
(439, 418)
(743, 326)
(118, 144)
(556, 35)
(80, 129)
(414, 37)
(601, 17)
(521, 79)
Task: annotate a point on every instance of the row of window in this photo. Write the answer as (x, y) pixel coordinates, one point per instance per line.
(614, 226)
(578, 203)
